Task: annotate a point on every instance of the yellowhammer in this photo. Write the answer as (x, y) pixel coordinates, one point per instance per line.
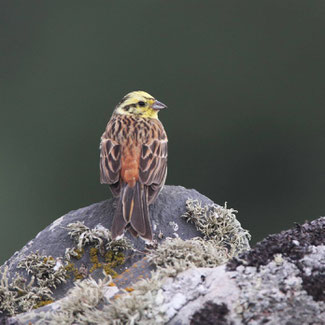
(133, 161)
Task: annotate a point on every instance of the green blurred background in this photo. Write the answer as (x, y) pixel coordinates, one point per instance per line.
(244, 85)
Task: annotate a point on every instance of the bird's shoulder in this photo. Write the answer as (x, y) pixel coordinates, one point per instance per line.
(121, 127)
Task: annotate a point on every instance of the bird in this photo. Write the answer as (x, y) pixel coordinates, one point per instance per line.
(133, 161)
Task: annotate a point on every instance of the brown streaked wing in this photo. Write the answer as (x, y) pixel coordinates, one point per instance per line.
(153, 166)
(110, 164)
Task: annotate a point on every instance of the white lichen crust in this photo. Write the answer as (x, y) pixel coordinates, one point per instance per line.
(274, 295)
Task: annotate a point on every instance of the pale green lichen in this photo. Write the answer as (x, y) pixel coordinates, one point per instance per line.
(218, 223)
(78, 304)
(83, 304)
(119, 245)
(175, 255)
(21, 295)
(99, 236)
(48, 271)
(143, 305)
(223, 239)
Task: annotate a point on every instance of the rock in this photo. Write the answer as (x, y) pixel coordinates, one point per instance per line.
(279, 281)
(54, 240)
(186, 280)
(268, 284)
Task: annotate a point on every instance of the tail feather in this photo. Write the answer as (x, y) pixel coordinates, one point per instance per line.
(132, 213)
(119, 223)
(127, 199)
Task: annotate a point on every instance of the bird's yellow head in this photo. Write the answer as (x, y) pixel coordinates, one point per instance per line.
(139, 103)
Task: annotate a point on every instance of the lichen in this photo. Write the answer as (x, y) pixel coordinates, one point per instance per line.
(94, 259)
(84, 235)
(175, 255)
(48, 272)
(109, 271)
(274, 294)
(99, 237)
(119, 245)
(223, 238)
(21, 295)
(218, 223)
(80, 300)
(211, 313)
(143, 302)
(71, 268)
(112, 259)
(43, 303)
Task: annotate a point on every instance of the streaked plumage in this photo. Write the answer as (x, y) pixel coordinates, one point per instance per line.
(133, 161)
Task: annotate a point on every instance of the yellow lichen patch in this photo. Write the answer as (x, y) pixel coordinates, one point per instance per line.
(72, 269)
(94, 259)
(43, 303)
(112, 259)
(129, 289)
(112, 284)
(119, 258)
(109, 271)
(109, 256)
(79, 253)
(48, 258)
(93, 255)
(115, 258)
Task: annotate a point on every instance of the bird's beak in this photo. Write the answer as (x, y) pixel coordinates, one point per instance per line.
(157, 105)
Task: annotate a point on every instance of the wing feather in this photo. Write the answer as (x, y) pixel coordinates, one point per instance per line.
(110, 164)
(153, 166)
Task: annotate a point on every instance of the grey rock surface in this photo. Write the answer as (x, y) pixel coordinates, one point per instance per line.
(279, 281)
(265, 285)
(54, 240)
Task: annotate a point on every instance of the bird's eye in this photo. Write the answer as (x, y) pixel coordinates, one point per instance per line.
(141, 103)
